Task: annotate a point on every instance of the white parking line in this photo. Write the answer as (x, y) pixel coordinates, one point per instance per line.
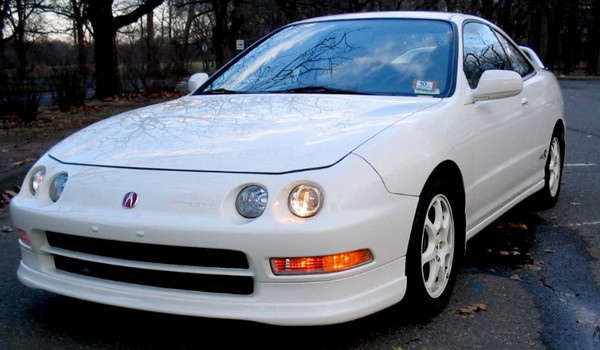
(578, 224)
(581, 164)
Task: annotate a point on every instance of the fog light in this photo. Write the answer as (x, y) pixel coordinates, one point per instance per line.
(251, 201)
(57, 186)
(321, 264)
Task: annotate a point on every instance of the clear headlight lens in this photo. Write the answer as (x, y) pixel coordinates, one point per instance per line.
(305, 201)
(36, 180)
(57, 186)
(252, 201)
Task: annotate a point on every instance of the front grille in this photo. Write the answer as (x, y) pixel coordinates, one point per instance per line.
(219, 259)
(242, 285)
(163, 254)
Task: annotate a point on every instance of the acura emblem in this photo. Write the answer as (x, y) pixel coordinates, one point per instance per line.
(130, 200)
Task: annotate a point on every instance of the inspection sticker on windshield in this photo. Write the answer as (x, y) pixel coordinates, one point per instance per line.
(425, 87)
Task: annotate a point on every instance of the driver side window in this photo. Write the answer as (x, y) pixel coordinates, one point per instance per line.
(482, 51)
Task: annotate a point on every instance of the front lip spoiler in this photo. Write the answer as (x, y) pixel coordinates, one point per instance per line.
(197, 170)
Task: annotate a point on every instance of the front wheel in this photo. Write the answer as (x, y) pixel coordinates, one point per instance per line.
(547, 197)
(433, 252)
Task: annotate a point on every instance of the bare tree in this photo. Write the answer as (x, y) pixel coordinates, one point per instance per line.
(184, 16)
(153, 63)
(4, 14)
(74, 11)
(105, 25)
(226, 26)
(19, 14)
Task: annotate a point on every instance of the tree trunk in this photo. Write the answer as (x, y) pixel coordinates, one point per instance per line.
(3, 13)
(226, 29)
(19, 41)
(105, 25)
(218, 37)
(79, 24)
(556, 12)
(153, 67)
(191, 15)
(108, 81)
(593, 59)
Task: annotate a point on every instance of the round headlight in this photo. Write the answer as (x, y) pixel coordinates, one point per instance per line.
(305, 201)
(36, 180)
(251, 201)
(57, 186)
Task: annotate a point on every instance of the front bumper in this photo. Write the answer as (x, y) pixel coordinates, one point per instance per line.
(284, 303)
(176, 217)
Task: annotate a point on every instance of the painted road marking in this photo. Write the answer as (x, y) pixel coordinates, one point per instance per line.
(581, 164)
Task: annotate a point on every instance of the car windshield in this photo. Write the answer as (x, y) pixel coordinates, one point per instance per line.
(371, 56)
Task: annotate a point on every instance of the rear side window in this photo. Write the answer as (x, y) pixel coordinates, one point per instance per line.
(518, 63)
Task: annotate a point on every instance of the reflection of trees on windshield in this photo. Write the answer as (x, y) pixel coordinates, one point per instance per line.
(324, 57)
(344, 57)
(303, 63)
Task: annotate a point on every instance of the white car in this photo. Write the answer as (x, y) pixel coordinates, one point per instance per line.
(335, 168)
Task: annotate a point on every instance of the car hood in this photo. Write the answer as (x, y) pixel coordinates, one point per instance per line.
(237, 133)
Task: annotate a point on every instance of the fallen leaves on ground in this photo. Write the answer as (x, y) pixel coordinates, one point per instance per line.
(515, 252)
(5, 198)
(515, 277)
(511, 225)
(23, 162)
(473, 308)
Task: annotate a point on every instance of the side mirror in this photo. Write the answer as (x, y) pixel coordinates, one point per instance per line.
(196, 80)
(497, 84)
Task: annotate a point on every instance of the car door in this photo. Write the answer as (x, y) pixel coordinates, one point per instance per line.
(503, 131)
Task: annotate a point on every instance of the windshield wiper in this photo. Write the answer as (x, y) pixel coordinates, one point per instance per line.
(318, 90)
(220, 92)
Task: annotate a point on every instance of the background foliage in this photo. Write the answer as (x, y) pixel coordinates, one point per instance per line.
(111, 46)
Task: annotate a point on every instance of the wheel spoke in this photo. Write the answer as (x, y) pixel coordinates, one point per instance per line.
(428, 255)
(431, 280)
(437, 246)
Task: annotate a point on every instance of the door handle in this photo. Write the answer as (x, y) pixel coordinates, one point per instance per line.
(524, 101)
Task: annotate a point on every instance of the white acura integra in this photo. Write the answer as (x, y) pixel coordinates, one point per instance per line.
(333, 169)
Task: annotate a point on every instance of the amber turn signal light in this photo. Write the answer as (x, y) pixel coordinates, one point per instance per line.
(321, 264)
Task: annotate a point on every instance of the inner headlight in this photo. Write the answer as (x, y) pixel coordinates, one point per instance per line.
(305, 201)
(252, 201)
(36, 180)
(57, 186)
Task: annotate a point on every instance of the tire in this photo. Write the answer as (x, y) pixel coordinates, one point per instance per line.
(434, 251)
(547, 197)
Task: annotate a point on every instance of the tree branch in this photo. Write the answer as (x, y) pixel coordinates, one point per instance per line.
(139, 12)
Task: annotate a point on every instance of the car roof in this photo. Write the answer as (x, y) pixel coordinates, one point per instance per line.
(446, 16)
